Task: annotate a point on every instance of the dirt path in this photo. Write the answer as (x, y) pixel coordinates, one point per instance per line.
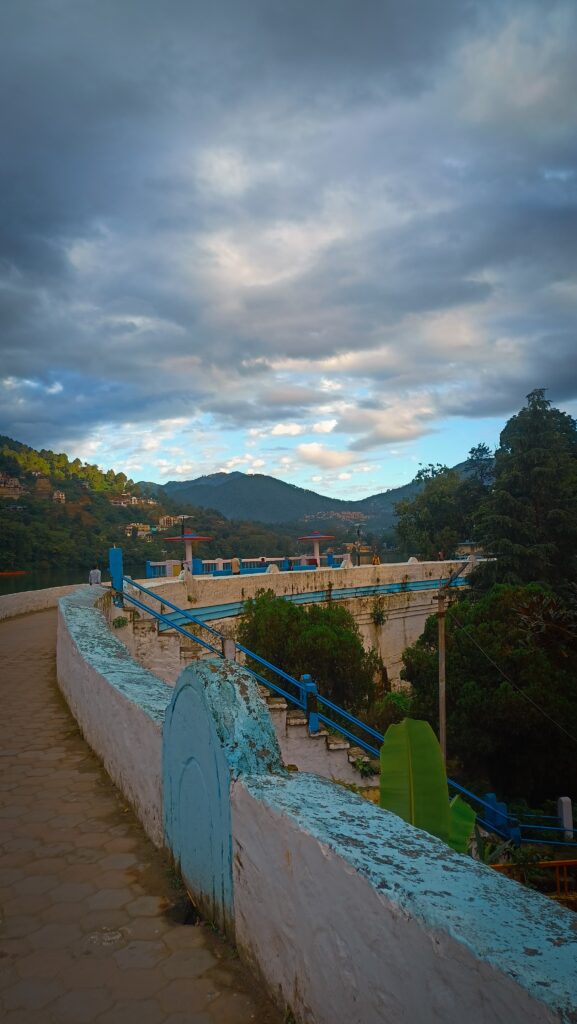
(86, 927)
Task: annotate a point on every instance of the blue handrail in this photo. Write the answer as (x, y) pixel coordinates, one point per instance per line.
(163, 600)
(164, 618)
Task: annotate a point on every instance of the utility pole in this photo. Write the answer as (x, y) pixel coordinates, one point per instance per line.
(441, 598)
(441, 611)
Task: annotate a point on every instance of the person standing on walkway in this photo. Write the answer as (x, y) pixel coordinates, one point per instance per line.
(94, 576)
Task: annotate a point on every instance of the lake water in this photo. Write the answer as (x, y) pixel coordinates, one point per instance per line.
(40, 579)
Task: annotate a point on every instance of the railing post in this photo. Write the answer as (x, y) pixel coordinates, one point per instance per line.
(116, 568)
(310, 701)
(565, 812)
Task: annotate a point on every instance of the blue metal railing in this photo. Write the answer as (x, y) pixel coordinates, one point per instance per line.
(492, 814)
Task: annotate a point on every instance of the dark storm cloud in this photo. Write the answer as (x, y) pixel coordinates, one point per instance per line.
(191, 191)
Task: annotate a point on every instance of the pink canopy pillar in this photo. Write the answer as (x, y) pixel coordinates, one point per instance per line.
(316, 539)
(189, 539)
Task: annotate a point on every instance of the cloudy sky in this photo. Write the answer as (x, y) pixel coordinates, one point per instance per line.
(320, 239)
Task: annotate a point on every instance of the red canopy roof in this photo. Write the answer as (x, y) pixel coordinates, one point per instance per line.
(318, 536)
(187, 536)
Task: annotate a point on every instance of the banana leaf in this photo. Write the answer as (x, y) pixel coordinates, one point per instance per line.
(413, 777)
(462, 819)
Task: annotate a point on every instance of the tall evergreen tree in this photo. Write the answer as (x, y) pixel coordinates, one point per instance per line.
(445, 511)
(529, 520)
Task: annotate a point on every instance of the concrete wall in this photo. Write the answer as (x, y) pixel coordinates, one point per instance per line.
(355, 916)
(118, 705)
(204, 590)
(33, 600)
(406, 612)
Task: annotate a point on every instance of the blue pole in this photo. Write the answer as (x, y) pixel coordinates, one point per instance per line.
(116, 573)
(310, 696)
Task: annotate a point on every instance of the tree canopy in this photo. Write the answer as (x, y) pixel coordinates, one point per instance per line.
(511, 691)
(445, 511)
(529, 517)
(321, 640)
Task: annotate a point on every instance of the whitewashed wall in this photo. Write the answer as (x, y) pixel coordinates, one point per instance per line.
(118, 705)
(33, 600)
(354, 916)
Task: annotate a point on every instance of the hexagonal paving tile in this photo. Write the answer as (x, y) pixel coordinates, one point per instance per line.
(81, 1007)
(188, 963)
(145, 906)
(141, 954)
(72, 892)
(55, 936)
(145, 1011)
(31, 994)
(185, 996)
(110, 899)
(118, 861)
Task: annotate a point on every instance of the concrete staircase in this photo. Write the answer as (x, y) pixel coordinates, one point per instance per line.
(323, 752)
(167, 652)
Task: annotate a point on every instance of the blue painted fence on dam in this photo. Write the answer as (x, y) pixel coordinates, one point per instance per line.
(492, 814)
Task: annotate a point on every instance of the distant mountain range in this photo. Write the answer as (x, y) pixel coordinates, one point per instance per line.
(265, 499)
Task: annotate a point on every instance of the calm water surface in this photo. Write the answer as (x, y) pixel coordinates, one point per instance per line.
(41, 578)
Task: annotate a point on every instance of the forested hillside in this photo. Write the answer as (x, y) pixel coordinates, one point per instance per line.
(256, 496)
(75, 532)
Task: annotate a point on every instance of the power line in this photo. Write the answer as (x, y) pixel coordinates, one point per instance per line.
(511, 683)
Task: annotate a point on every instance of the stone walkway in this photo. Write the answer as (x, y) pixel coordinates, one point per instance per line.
(85, 927)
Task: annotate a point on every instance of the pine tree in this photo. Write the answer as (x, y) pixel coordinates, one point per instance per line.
(529, 521)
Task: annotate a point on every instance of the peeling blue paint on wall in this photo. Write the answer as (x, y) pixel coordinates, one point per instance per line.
(216, 728)
(520, 932)
(108, 655)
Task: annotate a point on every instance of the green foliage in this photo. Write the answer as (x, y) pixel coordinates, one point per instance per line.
(322, 641)
(461, 824)
(119, 622)
(488, 851)
(480, 463)
(441, 515)
(529, 519)
(363, 767)
(494, 726)
(40, 534)
(414, 784)
(389, 709)
(378, 613)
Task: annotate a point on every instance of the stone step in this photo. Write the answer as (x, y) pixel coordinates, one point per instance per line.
(144, 625)
(358, 754)
(337, 743)
(276, 704)
(296, 718)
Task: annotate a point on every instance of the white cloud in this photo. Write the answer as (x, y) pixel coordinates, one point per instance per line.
(287, 430)
(325, 458)
(324, 426)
